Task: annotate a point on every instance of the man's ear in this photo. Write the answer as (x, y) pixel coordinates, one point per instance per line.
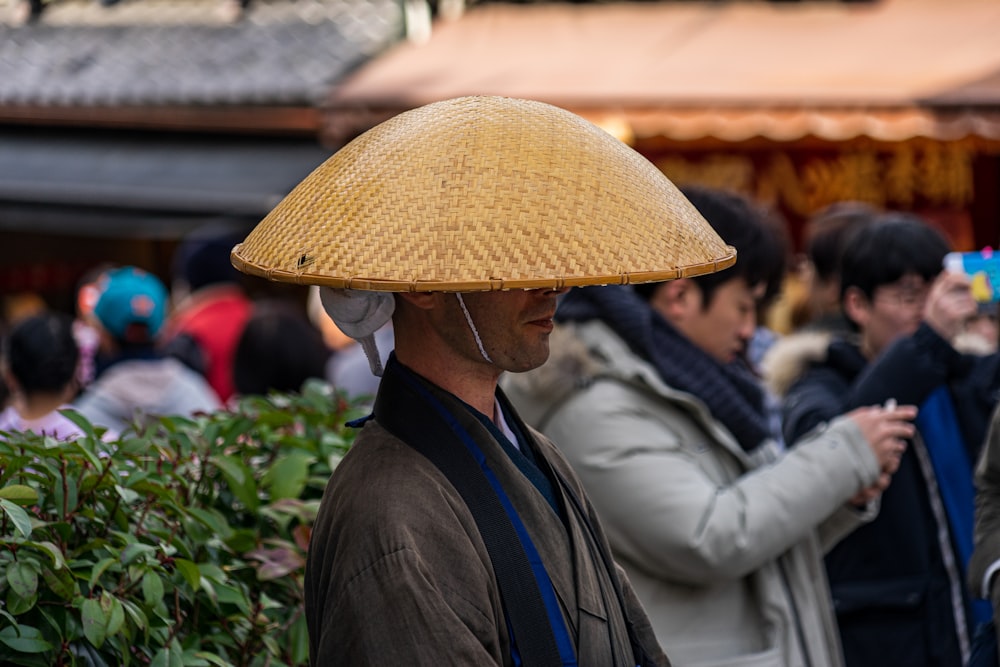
(857, 306)
(675, 298)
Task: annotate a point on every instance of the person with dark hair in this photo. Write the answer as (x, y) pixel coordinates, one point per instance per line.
(825, 236)
(39, 365)
(136, 382)
(720, 529)
(898, 582)
(211, 307)
(278, 350)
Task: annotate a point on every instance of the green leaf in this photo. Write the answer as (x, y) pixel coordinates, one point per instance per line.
(298, 640)
(232, 468)
(85, 447)
(133, 551)
(240, 480)
(89, 482)
(170, 656)
(99, 569)
(20, 494)
(161, 659)
(232, 595)
(64, 494)
(80, 421)
(213, 659)
(128, 496)
(95, 621)
(192, 659)
(136, 614)
(10, 619)
(152, 589)
(24, 639)
(20, 518)
(152, 488)
(213, 520)
(87, 655)
(133, 446)
(64, 532)
(23, 579)
(114, 613)
(241, 540)
(272, 645)
(52, 550)
(18, 605)
(55, 619)
(212, 572)
(287, 477)
(189, 571)
(60, 582)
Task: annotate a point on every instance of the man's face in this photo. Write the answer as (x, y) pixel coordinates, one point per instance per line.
(894, 311)
(723, 328)
(513, 326)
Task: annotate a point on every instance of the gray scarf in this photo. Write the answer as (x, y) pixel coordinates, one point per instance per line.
(732, 392)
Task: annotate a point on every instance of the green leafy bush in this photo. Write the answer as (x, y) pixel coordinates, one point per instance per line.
(183, 544)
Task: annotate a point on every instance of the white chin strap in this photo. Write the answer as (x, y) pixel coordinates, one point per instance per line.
(475, 332)
(359, 314)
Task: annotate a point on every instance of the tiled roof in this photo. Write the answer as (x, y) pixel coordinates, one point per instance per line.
(186, 53)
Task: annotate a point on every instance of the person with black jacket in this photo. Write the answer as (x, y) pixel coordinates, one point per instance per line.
(897, 582)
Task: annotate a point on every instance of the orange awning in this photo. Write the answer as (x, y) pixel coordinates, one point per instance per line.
(733, 71)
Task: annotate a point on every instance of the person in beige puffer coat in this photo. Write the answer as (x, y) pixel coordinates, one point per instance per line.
(720, 529)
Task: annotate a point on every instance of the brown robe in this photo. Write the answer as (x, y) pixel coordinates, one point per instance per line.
(398, 574)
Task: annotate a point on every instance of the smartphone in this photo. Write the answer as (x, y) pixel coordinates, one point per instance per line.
(983, 269)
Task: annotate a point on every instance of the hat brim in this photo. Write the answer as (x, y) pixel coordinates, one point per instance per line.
(483, 193)
(555, 282)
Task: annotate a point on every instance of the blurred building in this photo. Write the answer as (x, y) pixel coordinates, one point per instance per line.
(124, 125)
(799, 104)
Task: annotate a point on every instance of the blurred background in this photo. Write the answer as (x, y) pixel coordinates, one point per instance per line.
(126, 125)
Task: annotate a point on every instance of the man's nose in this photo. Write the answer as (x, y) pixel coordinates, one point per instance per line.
(748, 327)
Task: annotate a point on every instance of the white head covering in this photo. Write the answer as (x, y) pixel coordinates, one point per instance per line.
(359, 314)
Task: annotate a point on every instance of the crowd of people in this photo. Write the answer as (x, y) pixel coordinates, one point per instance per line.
(636, 470)
(136, 349)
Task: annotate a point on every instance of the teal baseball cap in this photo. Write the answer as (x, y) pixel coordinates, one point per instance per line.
(131, 304)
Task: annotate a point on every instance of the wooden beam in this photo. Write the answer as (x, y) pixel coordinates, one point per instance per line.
(284, 121)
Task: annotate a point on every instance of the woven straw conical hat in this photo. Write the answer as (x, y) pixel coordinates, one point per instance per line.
(482, 193)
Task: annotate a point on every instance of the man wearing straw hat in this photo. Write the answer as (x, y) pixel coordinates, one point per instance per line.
(451, 533)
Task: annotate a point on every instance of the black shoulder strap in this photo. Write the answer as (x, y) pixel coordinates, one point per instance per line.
(427, 431)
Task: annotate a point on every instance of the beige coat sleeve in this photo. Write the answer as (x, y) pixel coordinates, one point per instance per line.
(675, 502)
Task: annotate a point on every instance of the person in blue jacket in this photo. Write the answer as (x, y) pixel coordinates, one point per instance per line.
(898, 582)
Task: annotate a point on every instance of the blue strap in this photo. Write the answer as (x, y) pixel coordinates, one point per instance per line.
(558, 623)
(938, 425)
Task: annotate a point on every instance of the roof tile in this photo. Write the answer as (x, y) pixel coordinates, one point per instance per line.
(154, 52)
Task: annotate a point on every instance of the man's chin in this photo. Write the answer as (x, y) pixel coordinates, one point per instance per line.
(530, 362)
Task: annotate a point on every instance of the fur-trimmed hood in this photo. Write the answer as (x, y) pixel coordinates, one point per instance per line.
(790, 357)
(571, 365)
